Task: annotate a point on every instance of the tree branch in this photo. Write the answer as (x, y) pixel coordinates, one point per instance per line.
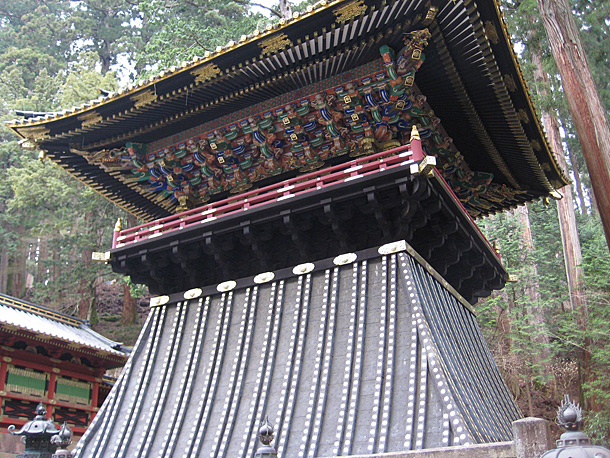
(194, 37)
(248, 3)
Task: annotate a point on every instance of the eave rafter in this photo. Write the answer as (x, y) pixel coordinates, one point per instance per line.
(329, 39)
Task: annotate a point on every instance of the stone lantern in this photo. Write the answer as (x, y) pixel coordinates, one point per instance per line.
(62, 440)
(574, 443)
(265, 435)
(37, 434)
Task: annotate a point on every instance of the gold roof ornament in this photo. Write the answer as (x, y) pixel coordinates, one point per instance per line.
(414, 133)
(90, 119)
(144, 98)
(535, 145)
(308, 60)
(274, 44)
(35, 133)
(491, 32)
(523, 116)
(349, 11)
(510, 83)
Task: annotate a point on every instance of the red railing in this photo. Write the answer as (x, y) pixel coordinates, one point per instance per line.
(308, 182)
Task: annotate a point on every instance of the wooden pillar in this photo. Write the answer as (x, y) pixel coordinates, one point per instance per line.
(3, 369)
(95, 391)
(51, 392)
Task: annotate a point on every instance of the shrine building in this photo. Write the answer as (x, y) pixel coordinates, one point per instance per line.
(308, 197)
(54, 359)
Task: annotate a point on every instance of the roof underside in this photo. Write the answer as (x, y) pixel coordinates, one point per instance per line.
(351, 358)
(34, 320)
(469, 76)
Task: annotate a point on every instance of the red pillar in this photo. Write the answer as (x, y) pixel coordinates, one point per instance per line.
(416, 146)
(51, 393)
(3, 368)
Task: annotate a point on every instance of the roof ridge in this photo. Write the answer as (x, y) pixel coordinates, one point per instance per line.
(41, 311)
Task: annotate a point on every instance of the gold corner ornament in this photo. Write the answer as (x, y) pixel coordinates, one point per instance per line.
(509, 82)
(491, 32)
(144, 98)
(205, 73)
(535, 145)
(426, 166)
(430, 15)
(349, 11)
(89, 119)
(274, 44)
(523, 116)
(100, 256)
(414, 133)
(35, 133)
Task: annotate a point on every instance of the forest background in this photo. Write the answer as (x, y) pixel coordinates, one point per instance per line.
(548, 329)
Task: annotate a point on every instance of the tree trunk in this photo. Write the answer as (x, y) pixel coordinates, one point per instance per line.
(534, 310)
(594, 135)
(285, 9)
(577, 183)
(567, 220)
(3, 270)
(43, 255)
(86, 289)
(17, 270)
(85, 295)
(583, 99)
(565, 207)
(129, 312)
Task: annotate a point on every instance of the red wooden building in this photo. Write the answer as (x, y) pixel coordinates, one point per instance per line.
(56, 359)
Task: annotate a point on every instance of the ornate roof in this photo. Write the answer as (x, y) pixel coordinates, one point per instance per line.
(17, 315)
(369, 352)
(465, 88)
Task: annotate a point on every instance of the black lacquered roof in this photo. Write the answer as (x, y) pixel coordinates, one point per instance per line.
(363, 354)
(470, 77)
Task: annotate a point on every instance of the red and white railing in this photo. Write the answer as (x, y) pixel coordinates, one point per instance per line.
(347, 171)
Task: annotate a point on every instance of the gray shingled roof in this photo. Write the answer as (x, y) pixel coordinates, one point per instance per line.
(21, 314)
(372, 355)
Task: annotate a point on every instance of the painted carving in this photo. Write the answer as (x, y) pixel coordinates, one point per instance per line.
(358, 117)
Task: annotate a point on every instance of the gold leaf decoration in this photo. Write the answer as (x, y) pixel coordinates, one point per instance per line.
(144, 98)
(510, 83)
(90, 119)
(158, 301)
(205, 73)
(535, 145)
(193, 293)
(491, 32)
(430, 15)
(349, 11)
(35, 133)
(274, 44)
(523, 116)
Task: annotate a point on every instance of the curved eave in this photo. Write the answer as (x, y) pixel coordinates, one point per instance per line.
(511, 60)
(246, 50)
(474, 66)
(146, 207)
(55, 341)
(471, 78)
